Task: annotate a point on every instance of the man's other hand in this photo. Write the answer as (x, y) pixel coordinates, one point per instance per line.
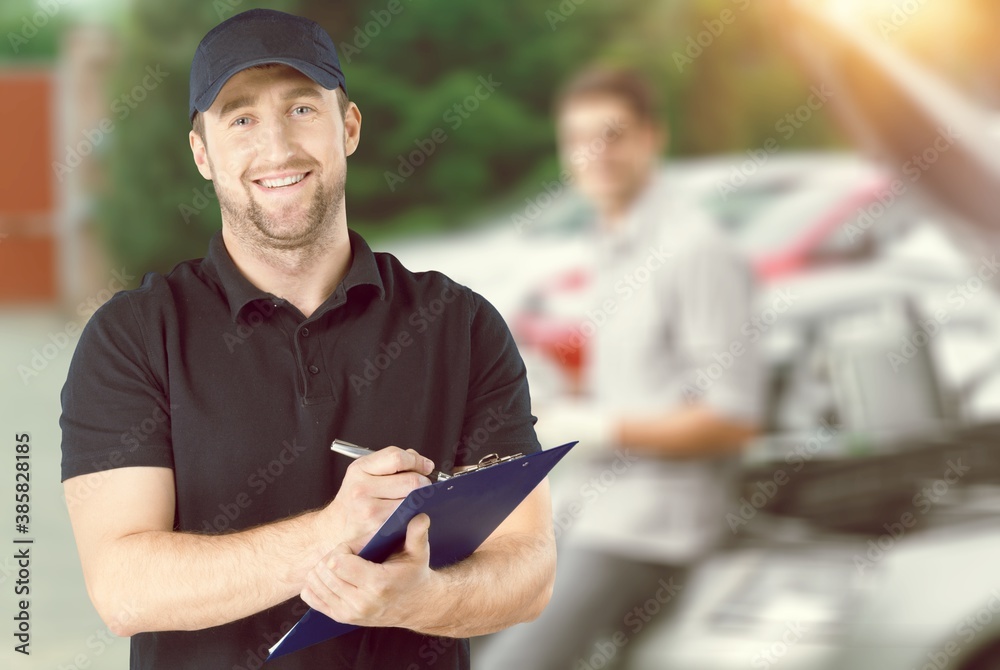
(396, 593)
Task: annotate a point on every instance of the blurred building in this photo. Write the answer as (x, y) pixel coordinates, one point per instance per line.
(50, 123)
(27, 187)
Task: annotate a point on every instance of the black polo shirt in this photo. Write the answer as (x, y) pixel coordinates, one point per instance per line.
(202, 372)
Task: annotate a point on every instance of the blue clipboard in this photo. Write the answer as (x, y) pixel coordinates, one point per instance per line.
(464, 511)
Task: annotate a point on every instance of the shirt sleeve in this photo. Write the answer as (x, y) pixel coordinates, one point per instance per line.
(115, 411)
(498, 417)
(715, 289)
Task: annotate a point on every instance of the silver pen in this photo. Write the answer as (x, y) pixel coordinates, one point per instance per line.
(354, 451)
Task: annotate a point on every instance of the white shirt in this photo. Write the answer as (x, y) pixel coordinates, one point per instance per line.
(670, 301)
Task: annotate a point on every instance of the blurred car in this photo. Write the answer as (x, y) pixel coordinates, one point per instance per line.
(798, 211)
(911, 586)
(895, 342)
(865, 534)
(790, 214)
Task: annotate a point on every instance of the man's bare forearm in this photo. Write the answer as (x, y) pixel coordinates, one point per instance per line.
(142, 576)
(164, 580)
(511, 577)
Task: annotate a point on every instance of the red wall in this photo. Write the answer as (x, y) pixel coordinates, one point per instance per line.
(27, 188)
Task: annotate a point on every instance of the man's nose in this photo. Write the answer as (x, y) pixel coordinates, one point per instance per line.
(275, 141)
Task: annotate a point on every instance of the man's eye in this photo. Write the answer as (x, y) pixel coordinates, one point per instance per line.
(241, 121)
(302, 109)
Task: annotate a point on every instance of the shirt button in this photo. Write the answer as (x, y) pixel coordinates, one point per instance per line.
(305, 332)
(313, 369)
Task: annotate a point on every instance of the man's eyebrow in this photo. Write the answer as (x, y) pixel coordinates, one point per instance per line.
(237, 103)
(250, 100)
(303, 92)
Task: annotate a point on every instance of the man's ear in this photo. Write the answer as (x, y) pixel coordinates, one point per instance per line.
(200, 154)
(352, 129)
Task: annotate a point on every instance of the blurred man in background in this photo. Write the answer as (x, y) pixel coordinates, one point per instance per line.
(672, 386)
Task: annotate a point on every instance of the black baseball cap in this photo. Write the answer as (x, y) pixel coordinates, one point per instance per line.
(259, 36)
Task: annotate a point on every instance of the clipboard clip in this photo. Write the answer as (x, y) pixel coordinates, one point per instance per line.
(485, 462)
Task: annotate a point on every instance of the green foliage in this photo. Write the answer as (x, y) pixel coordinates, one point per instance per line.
(29, 33)
(407, 76)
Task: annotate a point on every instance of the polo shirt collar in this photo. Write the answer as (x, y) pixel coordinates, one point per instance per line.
(240, 292)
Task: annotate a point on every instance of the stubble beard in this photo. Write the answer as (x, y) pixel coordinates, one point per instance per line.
(260, 232)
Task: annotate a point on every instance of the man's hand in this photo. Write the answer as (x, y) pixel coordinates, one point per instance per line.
(396, 593)
(373, 487)
(507, 581)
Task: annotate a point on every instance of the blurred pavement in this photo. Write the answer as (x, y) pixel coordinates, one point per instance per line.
(66, 632)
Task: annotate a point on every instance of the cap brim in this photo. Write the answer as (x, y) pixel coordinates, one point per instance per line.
(325, 79)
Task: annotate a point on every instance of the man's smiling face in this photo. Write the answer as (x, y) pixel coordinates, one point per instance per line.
(275, 144)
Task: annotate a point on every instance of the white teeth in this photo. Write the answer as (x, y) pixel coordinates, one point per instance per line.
(287, 181)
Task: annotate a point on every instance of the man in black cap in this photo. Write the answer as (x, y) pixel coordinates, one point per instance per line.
(197, 415)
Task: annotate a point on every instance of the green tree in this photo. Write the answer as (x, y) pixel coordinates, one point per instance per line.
(464, 89)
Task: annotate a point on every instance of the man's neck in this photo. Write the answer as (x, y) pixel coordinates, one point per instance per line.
(304, 277)
(614, 213)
